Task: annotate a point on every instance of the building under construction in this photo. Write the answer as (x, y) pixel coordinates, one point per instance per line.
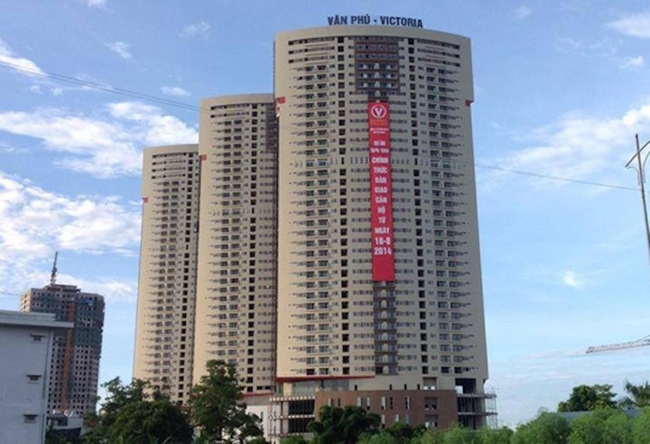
(74, 372)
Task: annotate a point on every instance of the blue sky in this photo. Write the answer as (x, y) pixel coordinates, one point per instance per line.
(561, 89)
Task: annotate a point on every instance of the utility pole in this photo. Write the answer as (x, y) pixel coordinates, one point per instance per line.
(641, 177)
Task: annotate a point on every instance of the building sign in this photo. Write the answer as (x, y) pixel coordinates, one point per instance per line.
(381, 200)
(381, 20)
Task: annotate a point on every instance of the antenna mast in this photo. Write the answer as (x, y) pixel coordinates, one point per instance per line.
(53, 275)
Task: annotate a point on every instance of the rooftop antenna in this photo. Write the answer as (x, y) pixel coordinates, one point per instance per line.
(53, 275)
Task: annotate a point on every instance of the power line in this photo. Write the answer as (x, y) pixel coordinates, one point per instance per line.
(188, 107)
(101, 87)
(564, 179)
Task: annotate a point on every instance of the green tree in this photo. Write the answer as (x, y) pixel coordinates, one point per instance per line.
(497, 436)
(218, 408)
(151, 421)
(638, 396)
(430, 436)
(119, 396)
(641, 427)
(590, 429)
(343, 426)
(293, 439)
(139, 413)
(58, 437)
(382, 437)
(618, 429)
(461, 435)
(547, 428)
(588, 397)
(404, 433)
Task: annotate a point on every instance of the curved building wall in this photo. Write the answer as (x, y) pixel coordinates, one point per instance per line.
(236, 291)
(167, 279)
(339, 329)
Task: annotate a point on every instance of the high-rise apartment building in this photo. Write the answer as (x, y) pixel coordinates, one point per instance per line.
(338, 252)
(378, 262)
(164, 343)
(237, 257)
(74, 370)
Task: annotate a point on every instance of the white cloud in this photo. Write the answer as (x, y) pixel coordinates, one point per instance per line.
(21, 65)
(522, 12)
(36, 89)
(113, 290)
(601, 48)
(579, 146)
(633, 62)
(36, 222)
(571, 279)
(96, 3)
(6, 148)
(604, 48)
(156, 128)
(16, 281)
(105, 146)
(175, 91)
(199, 29)
(119, 48)
(637, 25)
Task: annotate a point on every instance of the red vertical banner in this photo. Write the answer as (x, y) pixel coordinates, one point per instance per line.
(381, 200)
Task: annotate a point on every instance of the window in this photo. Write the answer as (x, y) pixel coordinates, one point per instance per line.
(37, 337)
(33, 378)
(30, 417)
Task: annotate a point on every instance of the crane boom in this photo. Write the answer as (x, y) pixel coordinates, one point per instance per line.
(620, 346)
(54, 269)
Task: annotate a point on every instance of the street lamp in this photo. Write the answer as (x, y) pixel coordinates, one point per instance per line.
(641, 178)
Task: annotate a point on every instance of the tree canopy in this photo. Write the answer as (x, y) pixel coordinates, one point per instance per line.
(602, 426)
(545, 429)
(588, 397)
(139, 413)
(337, 425)
(218, 409)
(638, 396)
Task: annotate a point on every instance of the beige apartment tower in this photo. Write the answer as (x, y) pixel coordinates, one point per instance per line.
(332, 252)
(389, 318)
(237, 256)
(164, 341)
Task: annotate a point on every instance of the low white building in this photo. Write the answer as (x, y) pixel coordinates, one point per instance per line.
(26, 350)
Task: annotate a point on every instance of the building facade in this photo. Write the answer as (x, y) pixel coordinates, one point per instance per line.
(24, 382)
(378, 261)
(164, 342)
(338, 253)
(236, 290)
(74, 375)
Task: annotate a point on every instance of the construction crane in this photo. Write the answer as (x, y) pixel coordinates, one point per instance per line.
(620, 346)
(54, 269)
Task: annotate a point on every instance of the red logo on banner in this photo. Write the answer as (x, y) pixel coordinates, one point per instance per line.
(381, 200)
(378, 111)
